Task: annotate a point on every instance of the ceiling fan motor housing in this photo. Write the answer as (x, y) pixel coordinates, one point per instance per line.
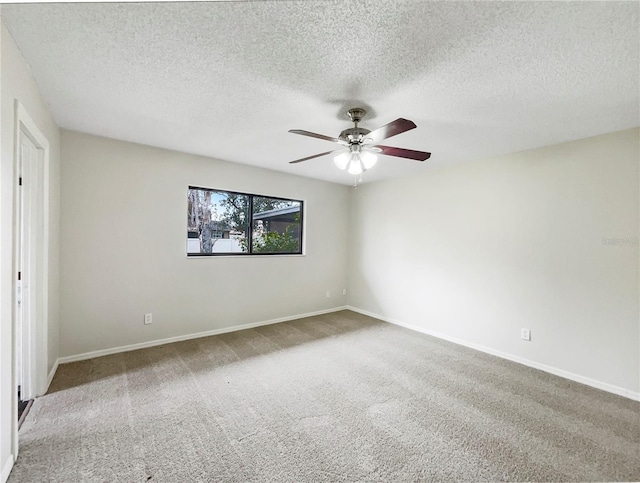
(354, 135)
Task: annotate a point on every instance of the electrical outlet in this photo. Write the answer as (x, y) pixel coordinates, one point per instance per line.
(328, 294)
(148, 318)
(344, 291)
(525, 334)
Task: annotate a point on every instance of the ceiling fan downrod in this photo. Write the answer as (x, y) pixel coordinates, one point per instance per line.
(354, 135)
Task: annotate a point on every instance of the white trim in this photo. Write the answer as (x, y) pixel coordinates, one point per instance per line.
(40, 320)
(6, 468)
(620, 391)
(197, 335)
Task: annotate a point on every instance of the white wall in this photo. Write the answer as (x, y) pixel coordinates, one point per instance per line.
(123, 248)
(17, 83)
(476, 252)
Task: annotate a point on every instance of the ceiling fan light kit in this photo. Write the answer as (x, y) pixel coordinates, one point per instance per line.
(360, 145)
(355, 159)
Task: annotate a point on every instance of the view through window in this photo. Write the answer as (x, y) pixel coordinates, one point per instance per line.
(228, 223)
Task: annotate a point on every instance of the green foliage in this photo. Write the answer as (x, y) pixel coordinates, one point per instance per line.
(236, 208)
(236, 213)
(274, 242)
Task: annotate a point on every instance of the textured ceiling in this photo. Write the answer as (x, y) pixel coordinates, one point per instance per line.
(229, 79)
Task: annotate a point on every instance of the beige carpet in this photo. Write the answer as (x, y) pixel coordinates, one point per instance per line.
(339, 397)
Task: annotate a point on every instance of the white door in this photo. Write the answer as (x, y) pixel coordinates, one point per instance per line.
(30, 258)
(29, 234)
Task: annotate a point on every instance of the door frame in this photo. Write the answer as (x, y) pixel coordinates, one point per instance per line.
(39, 272)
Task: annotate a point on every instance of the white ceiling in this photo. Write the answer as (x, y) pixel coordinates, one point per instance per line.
(229, 79)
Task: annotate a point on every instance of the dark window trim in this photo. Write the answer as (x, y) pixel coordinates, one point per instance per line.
(250, 226)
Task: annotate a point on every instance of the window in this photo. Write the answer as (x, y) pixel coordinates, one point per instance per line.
(229, 223)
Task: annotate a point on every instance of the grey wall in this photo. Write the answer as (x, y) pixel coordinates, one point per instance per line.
(123, 248)
(544, 239)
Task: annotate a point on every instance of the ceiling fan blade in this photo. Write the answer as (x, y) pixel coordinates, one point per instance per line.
(394, 128)
(309, 157)
(315, 135)
(404, 153)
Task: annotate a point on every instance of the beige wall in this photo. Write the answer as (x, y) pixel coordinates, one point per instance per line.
(17, 83)
(123, 240)
(478, 251)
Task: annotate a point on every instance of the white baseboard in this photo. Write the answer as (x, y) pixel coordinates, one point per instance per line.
(6, 469)
(620, 391)
(197, 335)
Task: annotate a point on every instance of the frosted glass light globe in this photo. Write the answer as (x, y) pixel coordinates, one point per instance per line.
(342, 159)
(369, 159)
(355, 166)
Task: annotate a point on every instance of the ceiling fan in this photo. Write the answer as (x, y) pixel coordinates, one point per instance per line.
(359, 146)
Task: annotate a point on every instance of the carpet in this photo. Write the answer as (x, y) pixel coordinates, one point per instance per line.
(336, 397)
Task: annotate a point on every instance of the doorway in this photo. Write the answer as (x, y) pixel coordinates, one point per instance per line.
(30, 263)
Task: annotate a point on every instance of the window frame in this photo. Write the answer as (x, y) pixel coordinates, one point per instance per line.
(249, 251)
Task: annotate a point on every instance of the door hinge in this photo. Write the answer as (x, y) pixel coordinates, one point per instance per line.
(19, 275)
(20, 181)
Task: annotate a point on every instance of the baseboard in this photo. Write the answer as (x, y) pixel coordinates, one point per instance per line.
(197, 335)
(6, 469)
(620, 391)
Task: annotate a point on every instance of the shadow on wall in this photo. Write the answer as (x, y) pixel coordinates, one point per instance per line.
(366, 292)
(206, 353)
